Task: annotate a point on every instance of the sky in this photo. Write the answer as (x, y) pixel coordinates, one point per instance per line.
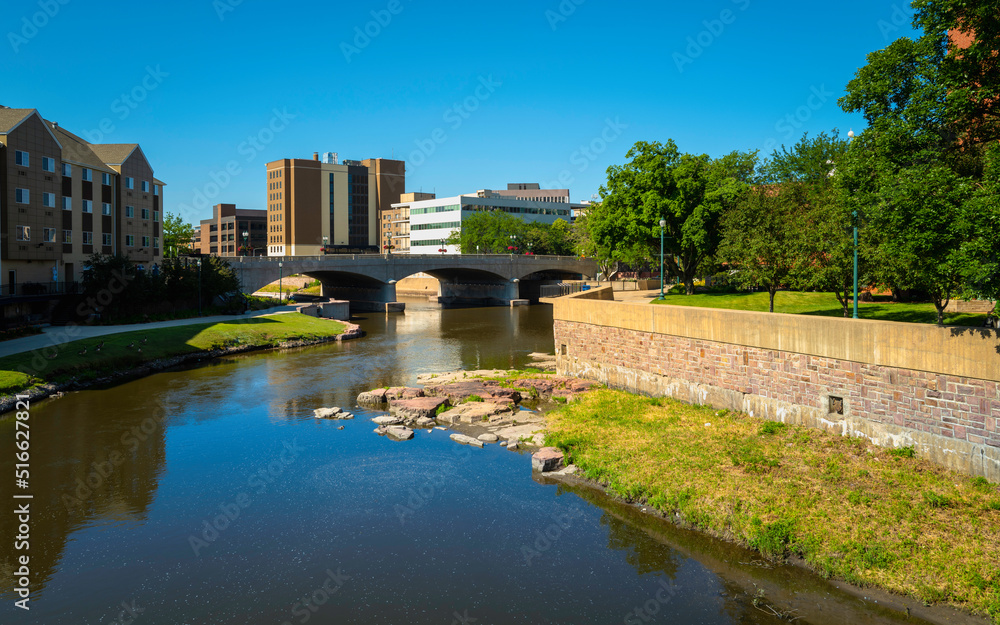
(471, 95)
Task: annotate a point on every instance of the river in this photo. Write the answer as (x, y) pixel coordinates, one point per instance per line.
(210, 495)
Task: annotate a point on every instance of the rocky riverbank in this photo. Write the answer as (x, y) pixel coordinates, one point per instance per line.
(481, 407)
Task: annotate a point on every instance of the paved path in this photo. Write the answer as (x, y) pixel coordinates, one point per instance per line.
(55, 335)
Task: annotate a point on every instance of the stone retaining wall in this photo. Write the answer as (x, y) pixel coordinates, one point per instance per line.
(937, 389)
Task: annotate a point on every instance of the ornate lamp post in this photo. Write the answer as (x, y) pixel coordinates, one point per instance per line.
(246, 242)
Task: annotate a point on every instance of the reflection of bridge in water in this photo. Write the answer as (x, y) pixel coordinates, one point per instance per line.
(368, 281)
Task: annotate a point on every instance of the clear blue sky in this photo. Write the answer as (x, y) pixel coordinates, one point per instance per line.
(471, 95)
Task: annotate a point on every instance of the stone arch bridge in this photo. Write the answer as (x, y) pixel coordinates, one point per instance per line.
(368, 281)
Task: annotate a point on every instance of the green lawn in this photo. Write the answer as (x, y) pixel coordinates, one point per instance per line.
(71, 360)
(825, 304)
(866, 514)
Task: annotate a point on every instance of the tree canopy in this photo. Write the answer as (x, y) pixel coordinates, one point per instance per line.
(497, 232)
(688, 192)
(178, 235)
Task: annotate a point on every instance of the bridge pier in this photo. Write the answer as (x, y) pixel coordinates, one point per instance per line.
(488, 294)
(380, 298)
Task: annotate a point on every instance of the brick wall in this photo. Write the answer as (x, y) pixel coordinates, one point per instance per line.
(951, 419)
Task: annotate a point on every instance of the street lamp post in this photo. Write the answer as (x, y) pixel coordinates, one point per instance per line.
(854, 214)
(663, 225)
(246, 242)
(280, 292)
(199, 287)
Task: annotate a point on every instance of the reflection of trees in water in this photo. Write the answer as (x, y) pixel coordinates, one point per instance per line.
(91, 460)
(632, 532)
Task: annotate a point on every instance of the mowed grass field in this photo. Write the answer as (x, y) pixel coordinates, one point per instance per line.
(869, 515)
(824, 304)
(122, 351)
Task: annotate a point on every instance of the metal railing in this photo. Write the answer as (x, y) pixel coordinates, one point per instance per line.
(561, 289)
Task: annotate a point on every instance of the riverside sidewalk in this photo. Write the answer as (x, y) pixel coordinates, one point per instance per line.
(56, 335)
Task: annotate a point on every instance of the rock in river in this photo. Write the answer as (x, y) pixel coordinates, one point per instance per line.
(489, 438)
(467, 440)
(388, 420)
(547, 459)
(332, 413)
(416, 407)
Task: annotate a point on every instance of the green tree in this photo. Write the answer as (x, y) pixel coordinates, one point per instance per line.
(761, 236)
(824, 239)
(495, 232)
(178, 235)
(915, 175)
(688, 192)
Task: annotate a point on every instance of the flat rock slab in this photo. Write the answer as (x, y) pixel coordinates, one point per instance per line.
(403, 392)
(547, 459)
(397, 432)
(374, 397)
(488, 438)
(532, 432)
(388, 420)
(417, 407)
(332, 413)
(467, 440)
(473, 412)
(425, 422)
(456, 376)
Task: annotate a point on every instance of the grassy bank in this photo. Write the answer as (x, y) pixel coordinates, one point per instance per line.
(868, 515)
(82, 360)
(823, 304)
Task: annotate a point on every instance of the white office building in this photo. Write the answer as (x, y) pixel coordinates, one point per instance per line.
(433, 221)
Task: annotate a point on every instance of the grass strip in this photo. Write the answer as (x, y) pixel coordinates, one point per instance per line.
(822, 304)
(854, 511)
(82, 360)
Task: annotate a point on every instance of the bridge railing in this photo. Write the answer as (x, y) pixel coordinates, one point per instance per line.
(390, 257)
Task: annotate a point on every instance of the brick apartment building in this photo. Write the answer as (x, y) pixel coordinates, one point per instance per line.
(232, 232)
(314, 204)
(63, 199)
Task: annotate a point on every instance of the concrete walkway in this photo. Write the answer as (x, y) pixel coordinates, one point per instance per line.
(56, 335)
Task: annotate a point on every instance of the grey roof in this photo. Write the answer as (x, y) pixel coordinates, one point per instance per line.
(10, 118)
(114, 153)
(79, 151)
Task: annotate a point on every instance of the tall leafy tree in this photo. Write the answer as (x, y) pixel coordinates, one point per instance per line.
(761, 240)
(177, 234)
(916, 173)
(688, 192)
(497, 232)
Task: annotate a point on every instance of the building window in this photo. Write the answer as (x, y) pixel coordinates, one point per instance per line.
(145, 213)
(145, 241)
(129, 182)
(156, 243)
(48, 235)
(67, 170)
(24, 233)
(48, 164)
(129, 240)
(130, 211)
(106, 178)
(88, 237)
(22, 158)
(67, 236)
(87, 175)
(67, 203)
(49, 200)
(156, 215)
(88, 206)
(105, 208)
(156, 189)
(145, 186)
(106, 239)
(22, 196)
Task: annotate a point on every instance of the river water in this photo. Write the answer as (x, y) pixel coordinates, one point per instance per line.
(210, 495)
